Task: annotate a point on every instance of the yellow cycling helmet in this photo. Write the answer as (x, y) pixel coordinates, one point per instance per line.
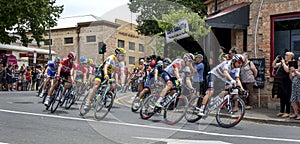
(120, 51)
(90, 61)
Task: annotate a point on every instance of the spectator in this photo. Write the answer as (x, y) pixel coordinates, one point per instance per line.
(247, 74)
(9, 77)
(38, 78)
(232, 52)
(198, 69)
(222, 55)
(1, 76)
(282, 86)
(295, 97)
(34, 78)
(28, 78)
(16, 76)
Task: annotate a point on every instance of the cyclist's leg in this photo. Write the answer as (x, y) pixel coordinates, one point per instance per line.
(97, 83)
(169, 85)
(50, 93)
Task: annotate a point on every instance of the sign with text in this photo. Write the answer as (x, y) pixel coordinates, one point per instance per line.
(260, 64)
(178, 32)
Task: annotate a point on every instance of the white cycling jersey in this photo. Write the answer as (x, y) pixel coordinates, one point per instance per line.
(177, 63)
(218, 71)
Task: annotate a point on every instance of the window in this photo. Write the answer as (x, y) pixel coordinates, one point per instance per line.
(121, 43)
(141, 48)
(131, 46)
(69, 40)
(131, 60)
(90, 38)
(48, 42)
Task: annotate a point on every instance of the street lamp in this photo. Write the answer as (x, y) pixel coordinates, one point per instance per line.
(34, 57)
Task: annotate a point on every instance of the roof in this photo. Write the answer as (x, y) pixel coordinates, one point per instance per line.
(25, 49)
(69, 22)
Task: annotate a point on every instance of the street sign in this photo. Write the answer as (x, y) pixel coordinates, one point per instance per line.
(178, 32)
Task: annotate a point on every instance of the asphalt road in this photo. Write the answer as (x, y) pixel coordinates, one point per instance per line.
(24, 120)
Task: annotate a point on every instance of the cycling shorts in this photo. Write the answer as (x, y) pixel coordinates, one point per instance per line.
(51, 73)
(99, 76)
(167, 78)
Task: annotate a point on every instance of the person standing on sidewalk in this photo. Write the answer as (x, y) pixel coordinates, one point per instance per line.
(198, 70)
(283, 85)
(247, 75)
(9, 77)
(295, 96)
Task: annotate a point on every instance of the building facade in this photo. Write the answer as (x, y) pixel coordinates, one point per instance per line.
(273, 28)
(83, 38)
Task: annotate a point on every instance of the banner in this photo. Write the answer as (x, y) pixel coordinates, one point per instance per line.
(178, 32)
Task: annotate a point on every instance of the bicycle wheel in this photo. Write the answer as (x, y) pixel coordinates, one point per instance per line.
(136, 103)
(77, 90)
(103, 106)
(55, 102)
(82, 111)
(70, 100)
(148, 107)
(175, 110)
(193, 109)
(227, 115)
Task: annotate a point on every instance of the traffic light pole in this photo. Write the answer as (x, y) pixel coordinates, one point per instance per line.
(103, 58)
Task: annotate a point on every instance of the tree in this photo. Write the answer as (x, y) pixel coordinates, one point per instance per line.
(149, 8)
(27, 17)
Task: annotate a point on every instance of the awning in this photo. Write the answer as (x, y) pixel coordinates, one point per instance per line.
(25, 49)
(233, 17)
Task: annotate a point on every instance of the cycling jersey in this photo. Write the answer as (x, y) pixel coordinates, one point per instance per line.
(52, 71)
(218, 71)
(152, 74)
(175, 64)
(111, 60)
(80, 71)
(66, 65)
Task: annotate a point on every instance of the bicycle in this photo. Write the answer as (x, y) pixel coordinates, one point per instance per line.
(225, 105)
(103, 100)
(136, 103)
(69, 98)
(56, 98)
(172, 105)
(47, 89)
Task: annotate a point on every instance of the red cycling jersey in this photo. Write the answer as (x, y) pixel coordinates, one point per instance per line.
(66, 65)
(83, 69)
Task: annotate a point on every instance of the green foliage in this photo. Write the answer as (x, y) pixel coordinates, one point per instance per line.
(23, 17)
(149, 8)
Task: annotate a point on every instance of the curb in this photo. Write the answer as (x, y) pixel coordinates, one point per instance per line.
(286, 122)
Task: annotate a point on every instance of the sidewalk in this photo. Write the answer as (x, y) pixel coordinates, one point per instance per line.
(268, 116)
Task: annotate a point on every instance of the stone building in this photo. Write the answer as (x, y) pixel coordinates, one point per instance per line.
(82, 35)
(265, 29)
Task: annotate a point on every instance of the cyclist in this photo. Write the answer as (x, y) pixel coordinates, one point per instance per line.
(91, 71)
(171, 75)
(51, 73)
(228, 72)
(64, 70)
(80, 71)
(104, 72)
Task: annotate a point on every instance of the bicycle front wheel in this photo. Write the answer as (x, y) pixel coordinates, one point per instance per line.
(193, 109)
(148, 107)
(136, 103)
(70, 100)
(176, 110)
(56, 102)
(82, 111)
(103, 106)
(230, 113)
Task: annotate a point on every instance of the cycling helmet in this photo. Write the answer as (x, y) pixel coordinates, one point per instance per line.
(189, 56)
(50, 64)
(90, 61)
(83, 60)
(57, 59)
(120, 51)
(152, 63)
(141, 60)
(159, 63)
(72, 56)
(238, 57)
(167, 61)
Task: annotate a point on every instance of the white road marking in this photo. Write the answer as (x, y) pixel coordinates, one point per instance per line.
(181, 141)
(3, 143)
(155, 127)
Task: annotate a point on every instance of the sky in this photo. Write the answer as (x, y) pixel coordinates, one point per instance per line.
(106, 9)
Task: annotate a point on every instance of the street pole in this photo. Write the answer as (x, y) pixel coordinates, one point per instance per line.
(50, 43)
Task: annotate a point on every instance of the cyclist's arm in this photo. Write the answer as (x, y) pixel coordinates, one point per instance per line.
(176, 73)
(59, 69)
(155, 74)
(238, 82)
(227, 75)
(72, 73)
(189, 82)
(105, 68)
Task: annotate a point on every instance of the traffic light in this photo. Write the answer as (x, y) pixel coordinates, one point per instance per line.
(101, 47)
